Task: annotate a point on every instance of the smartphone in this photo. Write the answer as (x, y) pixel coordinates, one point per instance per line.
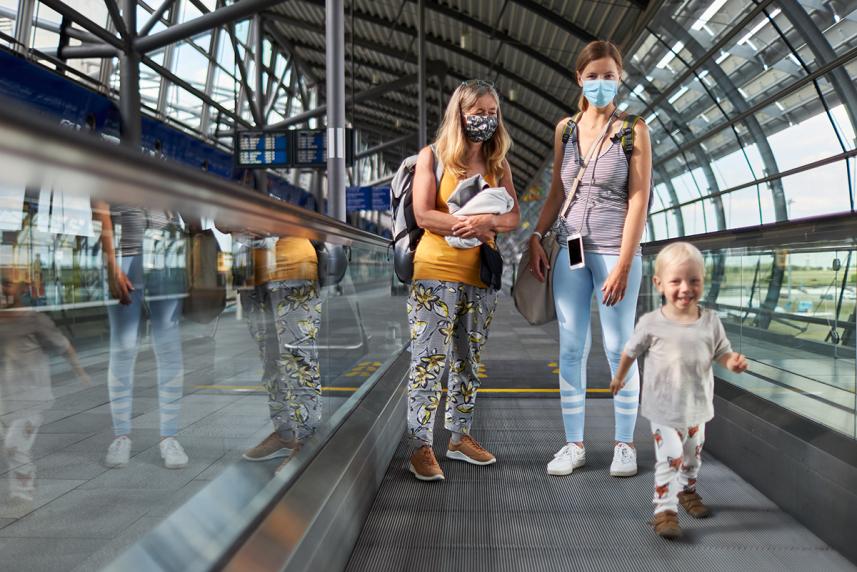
(575, 251)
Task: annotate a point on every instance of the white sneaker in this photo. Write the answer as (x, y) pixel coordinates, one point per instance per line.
(118, 452)
(567, 459)
(624, 461)
(172, 453)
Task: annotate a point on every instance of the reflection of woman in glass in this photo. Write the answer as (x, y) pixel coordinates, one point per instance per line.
(284, 314)
(139, 276)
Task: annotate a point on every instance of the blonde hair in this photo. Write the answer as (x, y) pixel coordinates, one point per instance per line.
(596, 50)
(676, 253)
(451, 142)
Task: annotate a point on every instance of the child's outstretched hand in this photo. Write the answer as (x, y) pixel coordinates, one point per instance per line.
(616, 385)
(736, 363)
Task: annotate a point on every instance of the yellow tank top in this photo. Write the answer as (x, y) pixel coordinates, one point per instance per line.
(435, 259)
(291, 259)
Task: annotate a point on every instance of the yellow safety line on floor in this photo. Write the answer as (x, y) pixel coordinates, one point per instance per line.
(260, 388)
(352, 389)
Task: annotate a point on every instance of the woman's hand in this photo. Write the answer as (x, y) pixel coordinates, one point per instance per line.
(120, 285)
(475, 226)
(615, 285)
(539, 263)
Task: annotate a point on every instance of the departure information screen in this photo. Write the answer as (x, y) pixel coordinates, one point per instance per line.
(311, 148)
(259, 149)
(287, 148)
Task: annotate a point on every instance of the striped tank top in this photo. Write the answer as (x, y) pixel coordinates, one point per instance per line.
(134, 222)
(605, 188)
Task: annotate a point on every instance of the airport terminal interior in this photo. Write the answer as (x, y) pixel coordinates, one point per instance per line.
(196, 249)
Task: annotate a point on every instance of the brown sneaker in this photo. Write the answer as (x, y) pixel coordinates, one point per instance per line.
(692, 503)
(469, 451)
(666, 525)
(272, 447)
(424, 466)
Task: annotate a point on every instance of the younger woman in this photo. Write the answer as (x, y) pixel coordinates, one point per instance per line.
(609, 211)
(679, 341)
(450, 308)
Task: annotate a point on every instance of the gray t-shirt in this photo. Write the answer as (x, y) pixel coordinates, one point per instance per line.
(678, 383)
(26, 338)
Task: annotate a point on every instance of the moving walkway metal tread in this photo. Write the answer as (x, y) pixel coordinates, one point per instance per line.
(512, 516)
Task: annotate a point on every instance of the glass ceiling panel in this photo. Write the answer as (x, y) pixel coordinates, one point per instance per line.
(706, 20)
(191, 66)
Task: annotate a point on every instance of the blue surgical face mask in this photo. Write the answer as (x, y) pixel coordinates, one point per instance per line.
(600, 92)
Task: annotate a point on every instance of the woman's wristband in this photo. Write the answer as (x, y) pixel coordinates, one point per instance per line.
(537, 233)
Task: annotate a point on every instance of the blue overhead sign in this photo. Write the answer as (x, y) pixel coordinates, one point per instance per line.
(367, 199)
(311, 148)
(380, 198)
(300, 148)
(260, 149)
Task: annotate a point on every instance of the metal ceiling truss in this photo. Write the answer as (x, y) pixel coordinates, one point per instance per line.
(439, 42)
(545, 139)
(533, 127)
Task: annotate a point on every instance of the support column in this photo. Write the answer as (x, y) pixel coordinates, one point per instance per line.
(317, 186)
(169, 63)
(24, 24)
(421, 81)
(258, 101)
(205, 119)
(130, 124)
(441, 100)
(335, 72)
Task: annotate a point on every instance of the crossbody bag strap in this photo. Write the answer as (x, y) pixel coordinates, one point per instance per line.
(576, 183)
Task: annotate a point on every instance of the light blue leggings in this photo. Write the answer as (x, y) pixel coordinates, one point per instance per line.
(573, 290)
(164, 313)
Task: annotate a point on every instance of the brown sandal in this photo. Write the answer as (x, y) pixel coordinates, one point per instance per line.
(692, 503)
(666, 525)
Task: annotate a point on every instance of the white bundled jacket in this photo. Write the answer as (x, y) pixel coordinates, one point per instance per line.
(473, 196)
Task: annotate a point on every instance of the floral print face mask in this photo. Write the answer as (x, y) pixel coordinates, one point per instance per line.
(480, 128)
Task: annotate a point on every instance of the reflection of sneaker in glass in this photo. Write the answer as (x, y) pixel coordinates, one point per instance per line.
(16, 507)
(272, 447)
(624, 461)
(295, 447)
(118, 452)
(469, 451)
(172, 453)
(570, 457)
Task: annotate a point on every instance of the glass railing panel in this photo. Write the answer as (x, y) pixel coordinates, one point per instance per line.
(146, 360)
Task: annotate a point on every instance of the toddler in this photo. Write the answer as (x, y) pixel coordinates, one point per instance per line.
(26, 337)
(680, 341)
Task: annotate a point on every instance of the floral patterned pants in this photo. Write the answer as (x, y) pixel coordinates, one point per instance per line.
(284, 318)
(18, 438)
(448, 321)
(678, 456)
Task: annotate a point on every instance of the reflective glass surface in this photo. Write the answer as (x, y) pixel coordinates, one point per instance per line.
(147, 352)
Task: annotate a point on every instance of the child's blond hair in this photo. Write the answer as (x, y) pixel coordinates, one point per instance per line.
(676, 253)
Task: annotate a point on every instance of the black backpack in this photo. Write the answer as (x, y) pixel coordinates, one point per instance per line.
(406, 232)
